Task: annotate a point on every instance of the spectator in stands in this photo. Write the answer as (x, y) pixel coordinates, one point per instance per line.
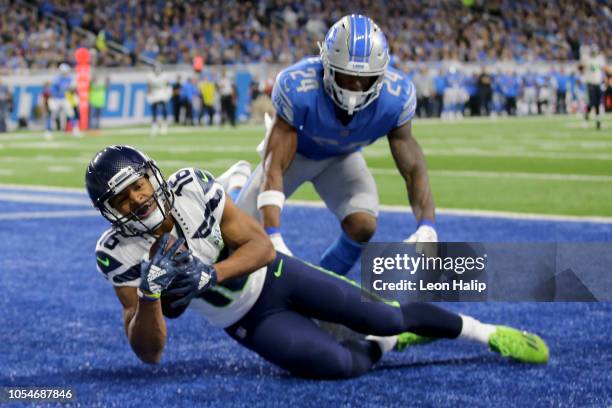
(232, 31)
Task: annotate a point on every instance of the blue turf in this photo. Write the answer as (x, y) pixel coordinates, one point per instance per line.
(62, 326)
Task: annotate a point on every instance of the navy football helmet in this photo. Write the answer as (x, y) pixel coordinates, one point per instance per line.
(115, 168)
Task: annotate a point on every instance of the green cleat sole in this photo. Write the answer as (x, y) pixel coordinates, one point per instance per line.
(519, 345)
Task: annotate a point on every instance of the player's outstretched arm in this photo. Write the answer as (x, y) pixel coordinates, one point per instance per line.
(279, 152)
(410, 162)
(144, 324)
(252, 247)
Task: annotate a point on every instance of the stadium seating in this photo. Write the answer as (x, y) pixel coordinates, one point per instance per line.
(173, 32)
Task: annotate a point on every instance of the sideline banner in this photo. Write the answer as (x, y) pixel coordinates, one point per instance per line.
(126, 102)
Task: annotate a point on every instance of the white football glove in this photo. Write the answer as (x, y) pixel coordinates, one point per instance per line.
(279, 243)
(425, 233)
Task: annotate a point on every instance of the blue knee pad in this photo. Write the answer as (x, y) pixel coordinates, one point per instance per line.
(341, 255)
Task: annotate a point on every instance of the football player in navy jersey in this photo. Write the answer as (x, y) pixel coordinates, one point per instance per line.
(223, 265)
(327, 109)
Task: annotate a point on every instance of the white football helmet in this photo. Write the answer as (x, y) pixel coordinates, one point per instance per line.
(356, 46)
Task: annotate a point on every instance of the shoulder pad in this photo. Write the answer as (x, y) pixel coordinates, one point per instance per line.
(400, 96)
(296, 88)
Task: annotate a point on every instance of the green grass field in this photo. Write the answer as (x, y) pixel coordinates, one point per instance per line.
(532, 165)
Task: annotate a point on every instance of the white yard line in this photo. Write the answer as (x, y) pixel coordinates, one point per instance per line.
(463, 152)
(508, 175)
(297, 203)
(44, 199)
(475, 213)
(48, 214)
(218, 163)
(42, 189)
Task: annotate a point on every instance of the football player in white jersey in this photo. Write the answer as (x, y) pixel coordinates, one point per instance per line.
(594, 64)
(229, 271)
(158, 95)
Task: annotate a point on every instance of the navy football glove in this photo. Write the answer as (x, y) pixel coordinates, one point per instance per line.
(157, 273)
(193, 279)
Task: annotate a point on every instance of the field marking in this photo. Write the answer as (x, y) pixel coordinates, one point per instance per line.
(317, 204)
(391, 208)
(43, 199)
(477, 213)
(48, 214)
(60, 169)
(509, 175)
(472, 152)
(169, 148)
(215, 164)
(368, 152)
(42, 189)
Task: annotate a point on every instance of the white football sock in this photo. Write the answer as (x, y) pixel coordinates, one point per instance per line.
(386, 343)
(474, 330)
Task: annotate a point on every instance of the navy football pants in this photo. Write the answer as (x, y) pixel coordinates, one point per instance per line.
(280, 328)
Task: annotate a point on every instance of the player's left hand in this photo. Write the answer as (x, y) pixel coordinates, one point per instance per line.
(193, 279)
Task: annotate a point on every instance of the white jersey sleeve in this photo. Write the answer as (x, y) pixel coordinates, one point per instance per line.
(118, 258)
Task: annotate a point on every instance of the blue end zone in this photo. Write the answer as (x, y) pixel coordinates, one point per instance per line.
(62, 326)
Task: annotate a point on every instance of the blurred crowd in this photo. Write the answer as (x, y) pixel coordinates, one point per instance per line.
(283, 31)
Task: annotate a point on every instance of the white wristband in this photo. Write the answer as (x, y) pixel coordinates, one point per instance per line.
(270, 197)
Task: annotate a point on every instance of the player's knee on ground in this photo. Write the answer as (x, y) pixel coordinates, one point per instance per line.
(348, 360)
(360, 227)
